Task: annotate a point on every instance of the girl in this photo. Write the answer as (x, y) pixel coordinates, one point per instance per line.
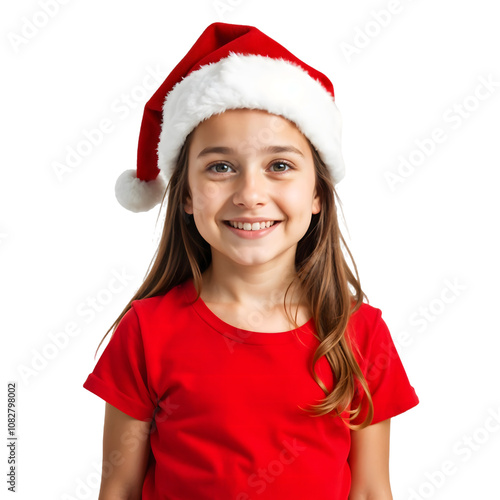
(247, 365)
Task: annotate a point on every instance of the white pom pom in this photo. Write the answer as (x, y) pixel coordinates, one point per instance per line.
(136, 195)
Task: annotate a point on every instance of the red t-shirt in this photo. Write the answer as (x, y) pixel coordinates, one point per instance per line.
(225, 402)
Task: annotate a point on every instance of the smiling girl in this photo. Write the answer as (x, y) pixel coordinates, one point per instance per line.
(247, 365)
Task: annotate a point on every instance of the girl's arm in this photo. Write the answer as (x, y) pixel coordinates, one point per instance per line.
(125, 455)
(369, 462)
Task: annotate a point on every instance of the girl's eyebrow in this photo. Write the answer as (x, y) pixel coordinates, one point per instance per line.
(267, 149)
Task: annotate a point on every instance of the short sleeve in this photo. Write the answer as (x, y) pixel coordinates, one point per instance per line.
(120, 376)
(381, 365)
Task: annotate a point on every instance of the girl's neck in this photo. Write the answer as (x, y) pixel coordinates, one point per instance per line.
(229, 283)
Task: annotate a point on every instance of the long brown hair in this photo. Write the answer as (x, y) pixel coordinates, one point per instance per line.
(326, 283)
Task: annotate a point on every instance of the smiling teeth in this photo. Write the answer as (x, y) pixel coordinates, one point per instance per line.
(251, 227)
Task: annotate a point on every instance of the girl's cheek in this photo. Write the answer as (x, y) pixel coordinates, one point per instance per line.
(295, 196)
(204, 196)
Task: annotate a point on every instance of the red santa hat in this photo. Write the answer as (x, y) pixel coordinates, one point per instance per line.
(229, 67)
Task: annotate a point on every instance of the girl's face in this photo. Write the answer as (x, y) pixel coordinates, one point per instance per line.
(252, 186)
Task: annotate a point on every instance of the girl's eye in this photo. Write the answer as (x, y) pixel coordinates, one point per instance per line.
(280, 166)
(220, 168)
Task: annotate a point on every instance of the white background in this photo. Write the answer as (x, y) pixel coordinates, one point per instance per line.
(62, 239)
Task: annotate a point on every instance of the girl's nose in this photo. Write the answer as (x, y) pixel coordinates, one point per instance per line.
(250, 189)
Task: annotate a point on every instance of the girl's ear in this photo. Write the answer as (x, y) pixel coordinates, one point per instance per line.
(188, 205)
(316, 204)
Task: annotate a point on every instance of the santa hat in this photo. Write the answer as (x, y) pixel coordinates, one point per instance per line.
(229, 67)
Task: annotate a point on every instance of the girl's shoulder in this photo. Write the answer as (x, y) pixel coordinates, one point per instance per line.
(366, 315)
(367, 328)
(171, 301)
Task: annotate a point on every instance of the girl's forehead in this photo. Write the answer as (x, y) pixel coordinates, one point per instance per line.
(253, 125)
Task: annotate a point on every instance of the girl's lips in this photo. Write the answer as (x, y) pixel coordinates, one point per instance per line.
(250, 235)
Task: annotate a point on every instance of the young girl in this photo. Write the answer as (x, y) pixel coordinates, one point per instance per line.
(247, 365)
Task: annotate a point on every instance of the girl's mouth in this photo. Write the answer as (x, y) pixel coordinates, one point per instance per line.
(247, 226)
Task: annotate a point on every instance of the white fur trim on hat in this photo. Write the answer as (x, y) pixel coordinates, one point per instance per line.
(255, 82)
(136, 195)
